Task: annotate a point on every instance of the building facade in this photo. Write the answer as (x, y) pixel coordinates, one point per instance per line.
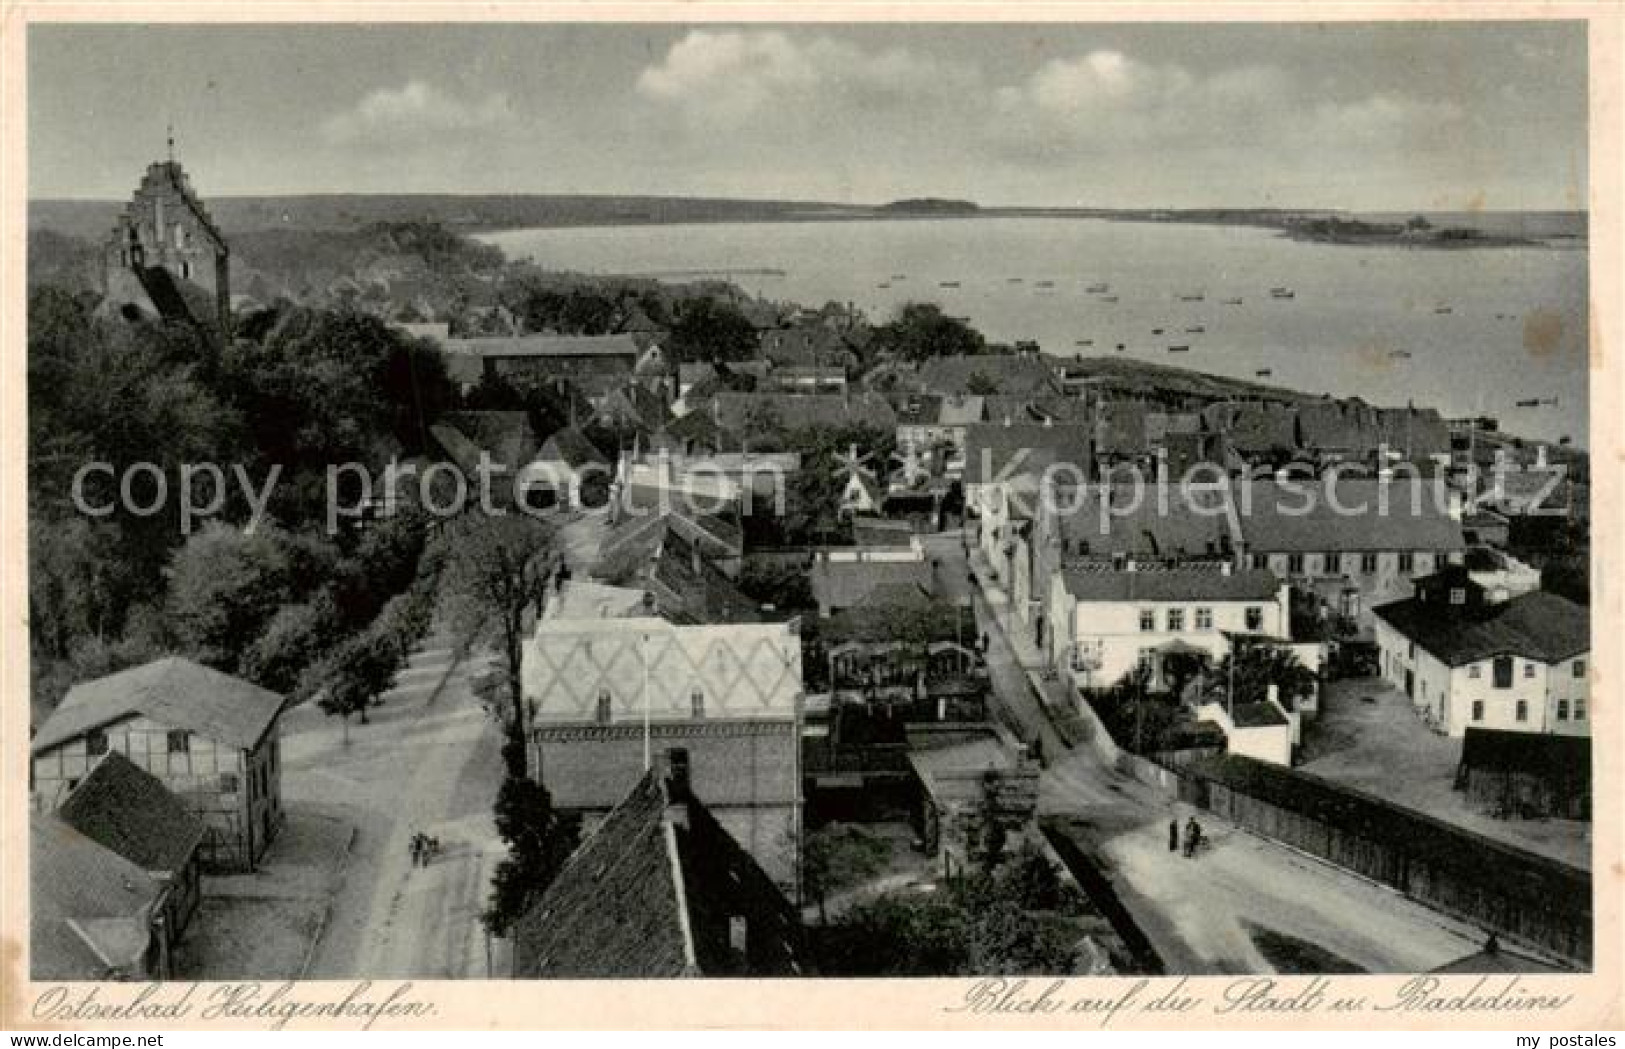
(605, 696)
(208, 737)
(166, 230)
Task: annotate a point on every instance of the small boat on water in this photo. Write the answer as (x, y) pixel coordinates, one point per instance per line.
(1281, 293)
(899, 276)
(1441, 309)
(948, 284)
(1179, 349)
(1084, 342)
(884, 284)
(1264, 373)
(1232, 302)
(1199, 329)
(1156, 331)
(1400, 355)
(1120, 346)
(1531, 402)
(1045, 284)
(1098, 289)
(1194, 297)
(1013, 280)
(1109, 298)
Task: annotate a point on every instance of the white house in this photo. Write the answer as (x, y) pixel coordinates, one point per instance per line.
(1471, 657)
(1107, 621)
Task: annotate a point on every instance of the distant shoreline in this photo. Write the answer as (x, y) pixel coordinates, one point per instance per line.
(493, 214)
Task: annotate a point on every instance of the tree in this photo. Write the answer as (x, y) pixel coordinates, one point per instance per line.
(836, 857)
(540, 840)
(1005, 940)
(709, 329)
(921, 331)
(225, 585)
(295, 638)
(496, 570)
(981, 384)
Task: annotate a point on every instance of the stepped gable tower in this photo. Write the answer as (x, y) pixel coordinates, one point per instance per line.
(163, 240)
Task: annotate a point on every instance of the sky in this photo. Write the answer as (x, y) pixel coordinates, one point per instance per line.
(1436, 116)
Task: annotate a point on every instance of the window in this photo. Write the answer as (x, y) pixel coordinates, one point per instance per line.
(1458, 595)
(1407, 561)
(1503, 671)
(1176, 619)
(1204, 619)
(1475, 672)
(1368, 564)
(1294, 564)
(1254, 619)
(1579, 668)
(696, 703)
(72, 783)
(1478, 710)
(95, 742)
(1579, 710)
(1147, 655)
(1562, 710)
(1528, 670)
(1411, 654)
(603, 704)
(180, 742)
(1148, 620)
(1521, 711)
(228, 782)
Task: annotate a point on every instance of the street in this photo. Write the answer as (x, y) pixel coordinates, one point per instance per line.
(1244, 905)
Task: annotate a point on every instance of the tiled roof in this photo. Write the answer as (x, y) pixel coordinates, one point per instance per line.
(1257, 715)
(1101, 521)
(90, 909)
(1012, 373)
(1413, 432)
(505, 436)
(122, 807)
(652, 893)
(960, 410)
(1309, 516)
(1122, 427)
(694, 432)
(1093, 584)
(803, 411)
(1025, 448)
(173, 691)
(633, 540)
(689, 589)
(1332, 424)
(570, 447)
(1254, 426)
(845, 584)
(1537, 625)
(622, 345)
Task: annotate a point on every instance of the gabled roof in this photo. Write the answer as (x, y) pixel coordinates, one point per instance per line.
(1138, 521)
(1338, 425)
(1536, 625)
(694, 432)
(1122, 428)
(1414, 433)
(848, 584)
(633, 540)
(651, 894)
(1012, 373)
(689, 589)
(1309, 516)
(122, 807)
(960, 409)
(993, 450)
(1102, 584)
(1254, 426)
(506, 437)
(173, 691)
(570, 447)
(90, 909)
(803, 411)
(636, 404)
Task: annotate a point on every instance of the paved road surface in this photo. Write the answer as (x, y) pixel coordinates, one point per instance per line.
(1208, 914)
(428, 761)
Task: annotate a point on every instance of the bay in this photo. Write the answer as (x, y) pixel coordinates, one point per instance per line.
(1468, 331)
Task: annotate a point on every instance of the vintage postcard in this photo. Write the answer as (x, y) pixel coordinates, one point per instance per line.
(1077, 516)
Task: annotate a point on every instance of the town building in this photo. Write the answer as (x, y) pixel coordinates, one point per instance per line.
(1005, 466)
(661, 890)
(635, 535)
(1108, 621)
(710, 483)
(596, 363)
(1471, 657)
(755, 415)
(210, 738)
(606, 695)
(569, 471)
(1020, 375)
(163, 241)
(127, 810)
(842, 578)
(1354, 542)
(1515, 775)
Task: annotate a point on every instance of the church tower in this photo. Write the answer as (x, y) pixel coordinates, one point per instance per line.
(163, 240)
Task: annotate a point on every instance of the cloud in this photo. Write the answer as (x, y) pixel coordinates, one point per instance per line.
(766, 77)
(1106, 102)
(415, 108)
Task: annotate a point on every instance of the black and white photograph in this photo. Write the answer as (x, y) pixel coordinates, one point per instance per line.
(633, 500)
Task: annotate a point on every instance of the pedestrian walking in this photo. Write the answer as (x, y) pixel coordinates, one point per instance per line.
(1173, 834)
(1193, 836)
(416, 848)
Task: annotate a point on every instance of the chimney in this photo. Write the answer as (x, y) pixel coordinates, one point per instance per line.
(679, 793)
(1540, 457)
(1454, 504)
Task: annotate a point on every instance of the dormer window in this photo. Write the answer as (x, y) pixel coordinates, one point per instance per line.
(1458, 595)
(180, 742)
